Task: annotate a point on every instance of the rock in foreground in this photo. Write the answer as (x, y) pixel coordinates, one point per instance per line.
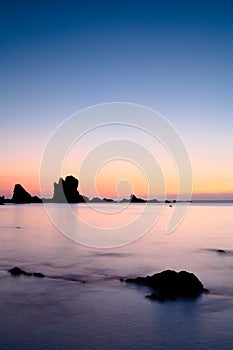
(17, 271)
(170, 284)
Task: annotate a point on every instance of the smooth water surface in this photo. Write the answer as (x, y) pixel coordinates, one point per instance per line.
(82, 304)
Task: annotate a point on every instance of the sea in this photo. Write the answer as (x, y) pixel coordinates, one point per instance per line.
(84, 301)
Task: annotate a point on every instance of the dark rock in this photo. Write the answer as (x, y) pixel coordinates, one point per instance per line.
(161, 297)
(134, 199)
(7, 200)
(85, 198)
(36, 199)
(167, 201)
(153, 200)
(124, 200)
(2, 200)
(66, 191)
(21, 196)
(17, 271)
(171, 284)
(221, 251)
(38, 274)
(108, 200)
(96, 200)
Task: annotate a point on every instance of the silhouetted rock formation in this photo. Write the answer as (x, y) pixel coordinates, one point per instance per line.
(124, 200)
(96, 200)
(85, 198)
(221, 251)
(17, 271)
(170, 284)
(21, 196)
(108, 200)
(2, 200)
(66, 191)
(134, 199)
(153, 201)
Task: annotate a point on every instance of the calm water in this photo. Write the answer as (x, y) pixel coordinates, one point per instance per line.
(82, 304)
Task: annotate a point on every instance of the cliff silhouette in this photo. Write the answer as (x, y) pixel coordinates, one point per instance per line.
(21, 196)
(66, 191)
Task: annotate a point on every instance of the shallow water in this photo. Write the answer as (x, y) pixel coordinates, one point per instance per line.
(82, 304)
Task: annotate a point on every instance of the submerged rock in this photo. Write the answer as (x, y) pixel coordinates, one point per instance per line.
(38, 274)
(17, 271)
(221, 251)
(170, 284)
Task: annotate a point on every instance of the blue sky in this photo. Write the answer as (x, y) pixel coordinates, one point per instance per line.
(60, 56)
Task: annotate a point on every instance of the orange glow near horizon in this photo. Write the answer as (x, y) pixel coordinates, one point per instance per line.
(202, 189)
(121, 178)
(8, 183)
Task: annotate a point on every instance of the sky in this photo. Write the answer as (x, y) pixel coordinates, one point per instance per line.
(175, 57)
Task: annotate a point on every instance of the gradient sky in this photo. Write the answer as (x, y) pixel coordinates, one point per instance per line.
(58, 57)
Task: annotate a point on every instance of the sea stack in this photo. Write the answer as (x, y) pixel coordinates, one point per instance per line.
(21, 196)
(66, 191)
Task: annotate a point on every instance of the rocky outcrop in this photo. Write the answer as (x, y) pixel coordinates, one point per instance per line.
(17, 271)
(221, 251)
(154, 200)
(96, 200)
(66, 191)
(134, 199)
(110, 200)
(2, 200)
(21, 196)
(170, 284)
(124, 200)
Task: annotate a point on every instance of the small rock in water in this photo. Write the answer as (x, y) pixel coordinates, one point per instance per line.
(170, 285)
(221, 251)
(17, 271)
(38, 274)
